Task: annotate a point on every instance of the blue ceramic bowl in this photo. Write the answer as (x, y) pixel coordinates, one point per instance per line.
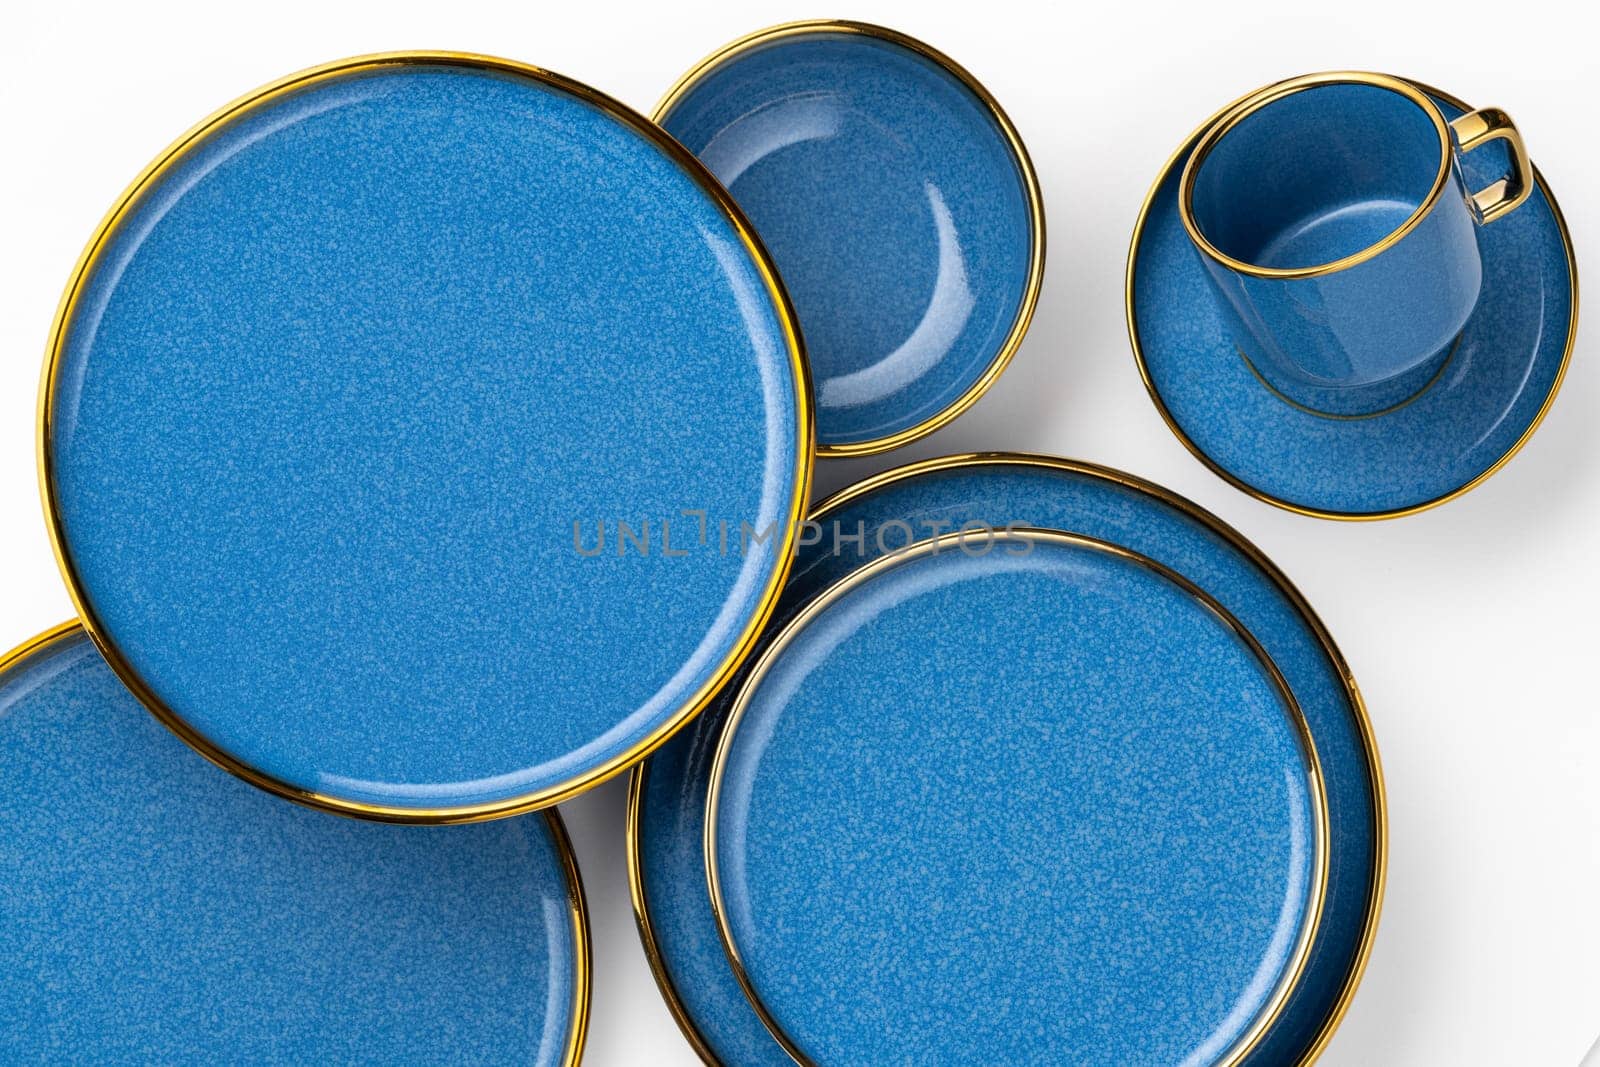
(898, 203)
(158, 911)
(383, 412)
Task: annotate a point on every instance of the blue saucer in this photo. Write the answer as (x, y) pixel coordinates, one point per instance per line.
(667, 798)
(1041, 800)
(900, 208)
(373, 416)
(155, 910)
(1487, 400)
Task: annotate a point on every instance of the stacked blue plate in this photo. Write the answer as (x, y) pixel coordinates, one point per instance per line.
(158, 911)
(1037, 761)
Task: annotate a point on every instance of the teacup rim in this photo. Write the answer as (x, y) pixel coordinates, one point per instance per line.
(1243, 108)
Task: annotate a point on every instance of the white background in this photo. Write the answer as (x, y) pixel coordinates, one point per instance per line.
(1470, 628)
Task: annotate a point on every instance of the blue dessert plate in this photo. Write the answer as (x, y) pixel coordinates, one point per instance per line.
(370, 422)
(880, 517)
(1016, 797)
(154, 910)
(898, 203)
(1486, 402)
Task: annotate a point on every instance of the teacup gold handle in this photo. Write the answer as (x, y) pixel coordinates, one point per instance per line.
(1506, 195)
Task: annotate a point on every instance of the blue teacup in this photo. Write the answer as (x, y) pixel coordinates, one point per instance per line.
(1330, 213)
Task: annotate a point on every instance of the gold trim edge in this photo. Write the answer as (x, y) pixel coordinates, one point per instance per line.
(582, 938)
(633, 838)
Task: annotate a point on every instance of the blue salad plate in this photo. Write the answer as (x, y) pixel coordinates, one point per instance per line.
(156, 910)
(1500, 378)
(898, 203)
(1014, 796)
(942, 738)
(383, 408)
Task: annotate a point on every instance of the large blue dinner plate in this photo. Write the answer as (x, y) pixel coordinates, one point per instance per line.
(1487, 401)
(154, 910)
(1020, 798)
(372, 417)
(667, 799)
(899, 205)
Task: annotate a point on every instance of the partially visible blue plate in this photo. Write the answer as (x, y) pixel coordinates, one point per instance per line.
(898, 203)
(1506, 368)
(667, 798)
(155, 910)
(1022, 797)
(372, 418)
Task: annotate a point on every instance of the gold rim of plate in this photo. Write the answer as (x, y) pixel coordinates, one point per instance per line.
(1025, 168)
(577, 906)
(1340, 1005)
(1276, 501)
(804, 443)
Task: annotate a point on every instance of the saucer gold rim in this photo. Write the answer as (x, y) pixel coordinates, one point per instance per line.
(1268, 498)
(804, 443)
(1030, 180)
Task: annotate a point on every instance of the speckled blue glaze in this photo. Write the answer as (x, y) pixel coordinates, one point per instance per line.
(347, 398)
(1309, 179)
(1504, 367)
(893, 204)
(670, 828)
(1039, 803)
(155, 910)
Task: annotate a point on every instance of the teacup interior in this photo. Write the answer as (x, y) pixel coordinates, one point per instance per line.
(1311, 178)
